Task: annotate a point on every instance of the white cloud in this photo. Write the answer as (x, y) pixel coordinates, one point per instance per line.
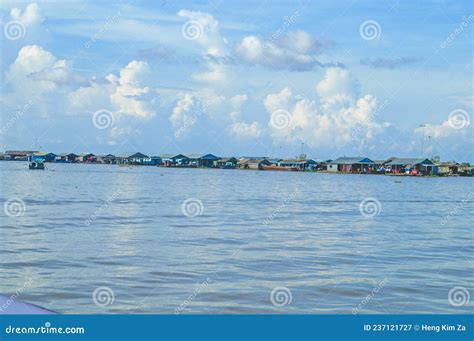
(131, 91)
(24, 26)
(118, 134)
(128, 94)
(205, 31)
(216, 73)
(238, 100)
(203, 28)
(448, 128)
(337, 119)
(278, 101)
(240, 128)
(90, 98)
(246, 130)
(36, 71)
(198, 105)
(182, 111)
(30, 16)
(337, 82)
(297, 50)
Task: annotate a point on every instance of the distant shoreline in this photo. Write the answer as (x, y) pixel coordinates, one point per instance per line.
(282, 169)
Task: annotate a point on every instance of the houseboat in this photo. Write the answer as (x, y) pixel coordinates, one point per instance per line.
(36, 161)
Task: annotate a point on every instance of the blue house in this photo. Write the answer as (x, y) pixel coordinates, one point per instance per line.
(138, 159)
(352, 164)
(207, 160)
(200, 160)
(226, 163)
(44, 157)
(154, 161)
(298, 163)
(174, 160)
(411, 165)
(66, 157)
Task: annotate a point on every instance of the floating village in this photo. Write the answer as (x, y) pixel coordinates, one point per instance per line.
(345, 165)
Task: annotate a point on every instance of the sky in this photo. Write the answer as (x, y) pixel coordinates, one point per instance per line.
(262, 78)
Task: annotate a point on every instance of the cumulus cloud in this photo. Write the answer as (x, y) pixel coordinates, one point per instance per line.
(182, 111)
(206, 104)
(29, 17)
(337, 118)
(336, 82)
(203, 28)
(389, 63)
(239, 127)
(127, 94)
(278, 101)
(297, 50)
(36, 71)
(24, 26)
(131, 92)
(246, 130)
(457, 125)
(217, 73)
(197, 105)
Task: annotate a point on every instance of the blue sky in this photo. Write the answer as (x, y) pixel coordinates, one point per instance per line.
(246, 78)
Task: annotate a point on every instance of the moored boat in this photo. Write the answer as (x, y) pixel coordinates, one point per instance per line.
(36, 165)
(280, 168)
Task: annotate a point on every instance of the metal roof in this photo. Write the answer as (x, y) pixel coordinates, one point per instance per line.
(227, 159)
(409, 161)
(43, 154)
(172, 156)
(194, 156)
(349, 160)
(138, 155)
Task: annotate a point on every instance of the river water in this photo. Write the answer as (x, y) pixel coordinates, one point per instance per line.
(108, 239)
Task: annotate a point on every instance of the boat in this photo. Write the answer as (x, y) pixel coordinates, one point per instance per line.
(36, 165)
(280, 168)
(12, 306)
